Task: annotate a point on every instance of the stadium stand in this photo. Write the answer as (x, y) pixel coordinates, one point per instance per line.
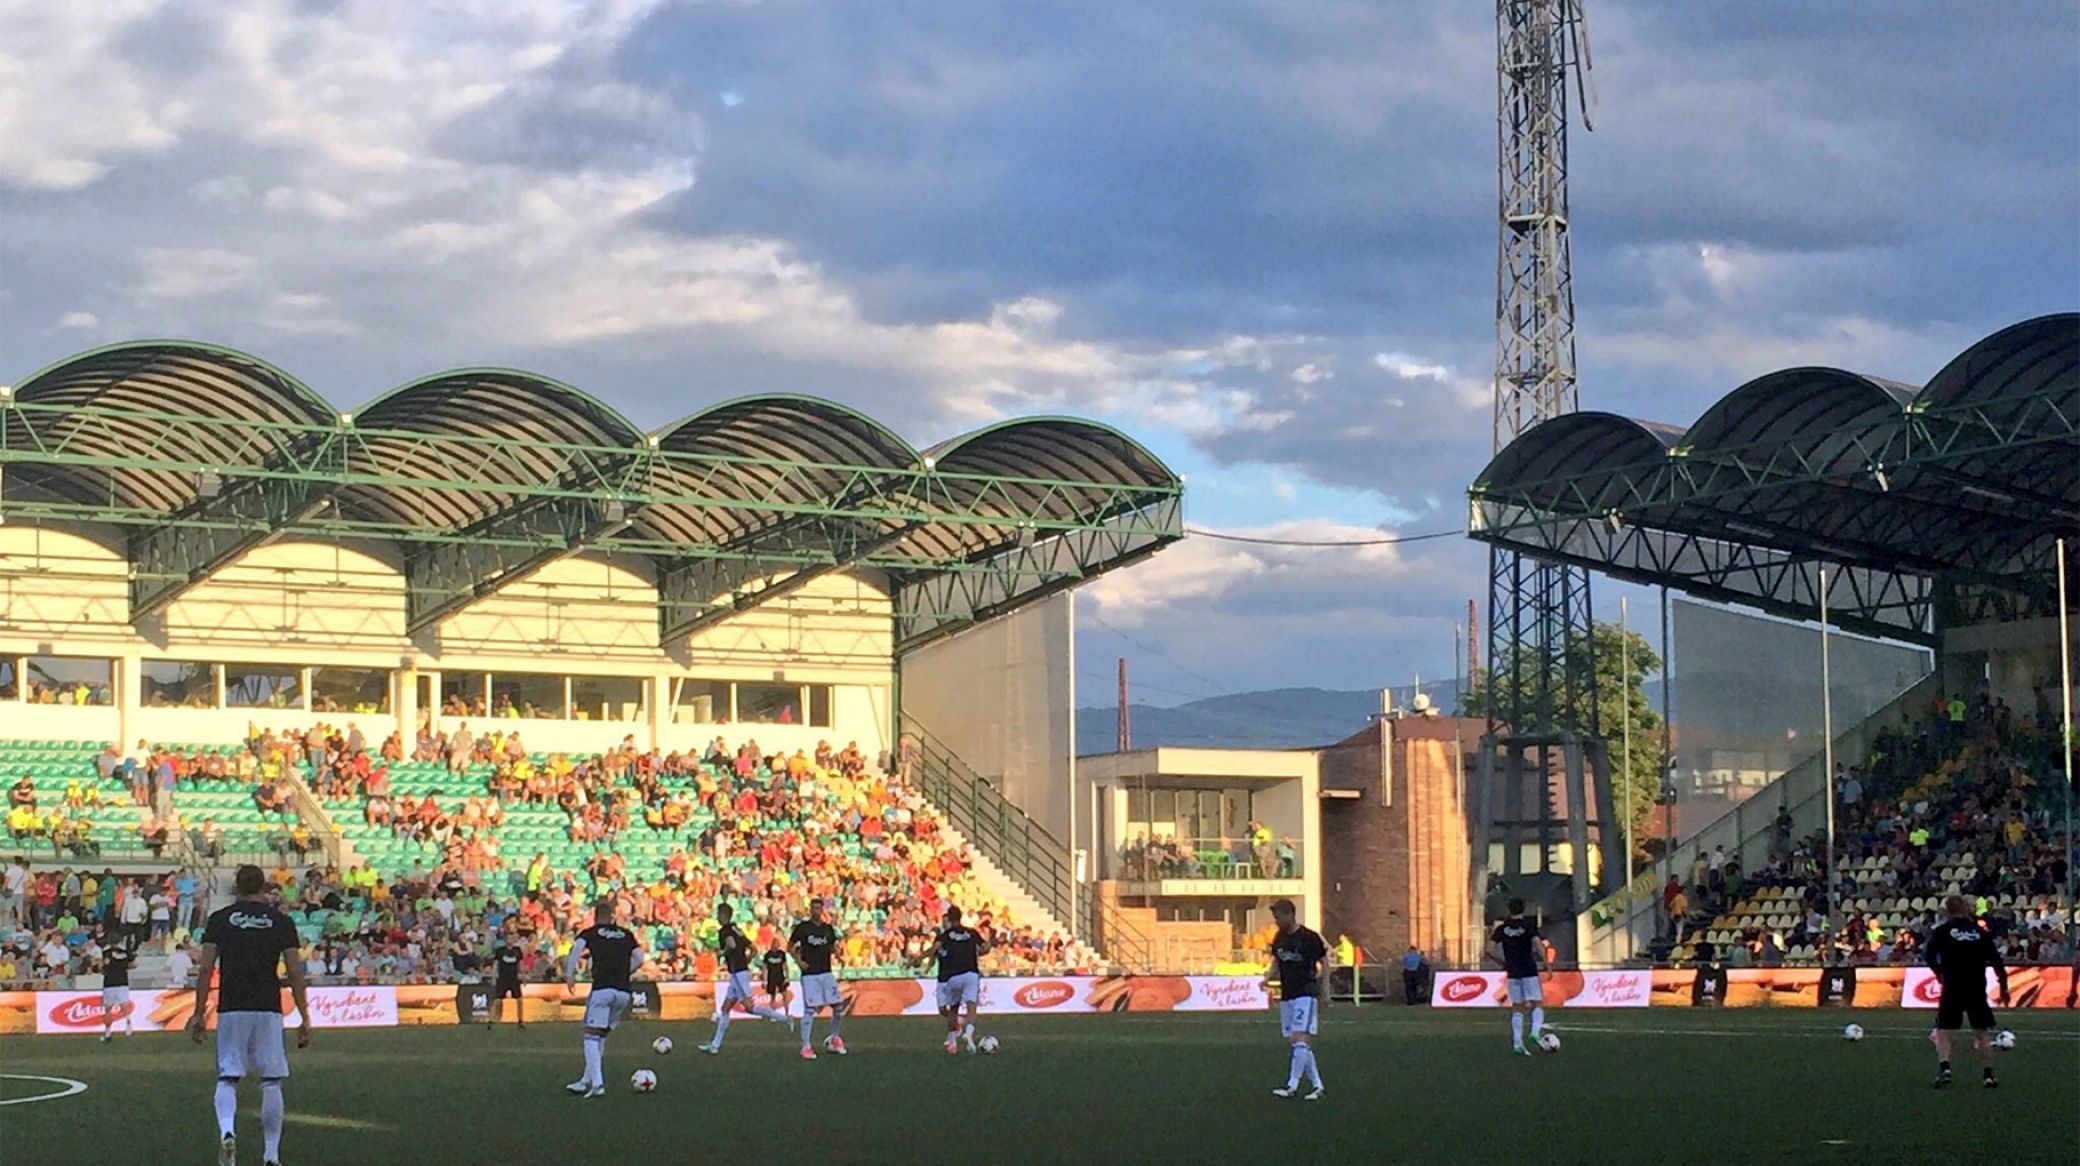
(470, 837)
(1962, 803)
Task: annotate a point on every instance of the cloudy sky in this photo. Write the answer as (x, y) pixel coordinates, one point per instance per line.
(1258, 236)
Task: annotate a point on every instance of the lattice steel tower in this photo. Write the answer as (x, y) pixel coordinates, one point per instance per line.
(1542, 761)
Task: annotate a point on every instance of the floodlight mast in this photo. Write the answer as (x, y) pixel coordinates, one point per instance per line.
(1540, 686)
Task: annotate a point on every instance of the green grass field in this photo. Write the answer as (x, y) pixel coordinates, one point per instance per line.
(1663, 1086)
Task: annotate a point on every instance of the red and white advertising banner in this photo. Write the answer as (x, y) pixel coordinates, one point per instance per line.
(1030, 995)
(1559, 989)
(1466, 990)
(1923, 990)
(61, 1012)
(371, 1007)
(157, 1010)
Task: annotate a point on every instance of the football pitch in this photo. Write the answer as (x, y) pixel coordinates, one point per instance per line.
(1750, 1085)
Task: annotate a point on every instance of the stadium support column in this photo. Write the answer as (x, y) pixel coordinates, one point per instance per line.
(2065, 736)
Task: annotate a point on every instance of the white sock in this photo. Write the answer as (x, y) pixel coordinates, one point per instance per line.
(592, 1053)
(1299, 1066)
(1538, 1022)
(227, 1106)
(270, 1120)
(1314, 1070)
(808, 1024)
(767, 1012)
(1516, 1027)
(836, 1017)
(721, 1026)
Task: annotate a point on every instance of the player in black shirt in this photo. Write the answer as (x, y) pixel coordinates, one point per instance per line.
(814, 943)
(774, 964)
(958, 952)
(1960, 951)
(505, 983)
(736, 990)
(248, 942)
(1300, 959)
(615, 956)
(115, 987)
(1516, 945)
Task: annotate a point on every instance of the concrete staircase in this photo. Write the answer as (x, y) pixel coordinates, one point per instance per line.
(1025, 909)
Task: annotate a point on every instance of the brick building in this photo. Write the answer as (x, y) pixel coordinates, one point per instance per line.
(1396, 856)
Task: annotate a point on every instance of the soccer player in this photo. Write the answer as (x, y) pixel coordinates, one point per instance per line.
(250, 939)
(505, 960)
(1960, 951)
(614, 954)
(958, 952)
(736, 961)
(774, 961)
(1516, 943)
(814, 942)
(1298, 953)
(115, 988)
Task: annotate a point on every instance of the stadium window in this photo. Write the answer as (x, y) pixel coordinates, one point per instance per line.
(528, 695)
(820, 705)
(262, 686)
(176, 684)
(769, 704)
(10, 670)
(700, 702)
(462, 694)
(74, 680)
(350, 690)
(607, 698)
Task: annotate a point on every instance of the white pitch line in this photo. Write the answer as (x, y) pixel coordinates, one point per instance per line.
(71, 1087)
(1894, 1033)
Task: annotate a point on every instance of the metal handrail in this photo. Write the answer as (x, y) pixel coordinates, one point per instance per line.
(1024, 849)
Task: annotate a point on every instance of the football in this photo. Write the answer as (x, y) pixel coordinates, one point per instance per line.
(1549, 1041)
(2004, 1039)
(662, 1045)
(1852, 1032)
(987, 1044)
(642, 1081)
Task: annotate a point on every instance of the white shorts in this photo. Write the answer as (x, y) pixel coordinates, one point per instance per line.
(251, 1042)
(605, 1008)
(820, 991)
(115, 997)
(1299, 1017)
(1525, 990)
(965, 988)
(737, 987)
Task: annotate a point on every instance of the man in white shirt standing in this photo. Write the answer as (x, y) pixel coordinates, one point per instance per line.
(14, 892)
(179, 966)
(135, 909)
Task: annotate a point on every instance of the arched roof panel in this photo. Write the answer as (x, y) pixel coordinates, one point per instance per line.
(551, 430)
(199, 403)
(787, 447)
(2032, 357)
(1578, 451)
(1795, 402)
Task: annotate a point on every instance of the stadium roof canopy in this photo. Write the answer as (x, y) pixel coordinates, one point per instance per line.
(200, 453)
(1924, 507)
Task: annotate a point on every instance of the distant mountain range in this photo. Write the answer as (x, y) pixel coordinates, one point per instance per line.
(1278, 718)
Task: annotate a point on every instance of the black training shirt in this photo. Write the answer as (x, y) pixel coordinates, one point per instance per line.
(775, 962)
(813, 945)
(115, 968)
(1960, 951)
(250, 937)
(736, 950)
(508, 960)
(958, 952)
(1519, 939)
(1298, 952)
(613, 950)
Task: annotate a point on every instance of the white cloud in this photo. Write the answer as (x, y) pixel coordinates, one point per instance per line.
(78, 320)
(66, 117)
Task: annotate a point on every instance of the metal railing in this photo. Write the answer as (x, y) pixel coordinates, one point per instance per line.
(1026, 851)
(1204, 858)
(1745, 831)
